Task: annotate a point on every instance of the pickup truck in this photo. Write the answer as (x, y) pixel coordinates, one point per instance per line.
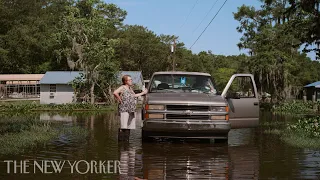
(188, 105)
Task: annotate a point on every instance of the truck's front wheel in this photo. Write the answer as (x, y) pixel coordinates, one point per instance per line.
(145, 136)
(222, 141)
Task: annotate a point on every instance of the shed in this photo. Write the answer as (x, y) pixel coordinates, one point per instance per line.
(56, 88)
(136, 76)
(313, 89)
(20, 85)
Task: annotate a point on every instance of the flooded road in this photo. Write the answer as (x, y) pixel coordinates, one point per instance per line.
(249, 154)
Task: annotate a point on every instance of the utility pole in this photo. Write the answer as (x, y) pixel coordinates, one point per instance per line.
(173, 48)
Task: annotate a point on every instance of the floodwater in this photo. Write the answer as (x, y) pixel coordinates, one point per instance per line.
(249, 154)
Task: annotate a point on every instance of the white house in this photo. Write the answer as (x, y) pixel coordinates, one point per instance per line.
(55, 87)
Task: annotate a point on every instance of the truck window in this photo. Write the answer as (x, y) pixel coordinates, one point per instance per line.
(243, 87)
(182, 83)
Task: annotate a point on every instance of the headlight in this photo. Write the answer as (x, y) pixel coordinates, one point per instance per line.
(154, 116)
(154, 107)
(218, 118)
(218, 109)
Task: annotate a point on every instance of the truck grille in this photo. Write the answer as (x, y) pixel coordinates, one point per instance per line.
(186, 107)
(181, 116)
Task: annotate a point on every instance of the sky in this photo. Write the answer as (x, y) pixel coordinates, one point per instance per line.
(182, 18)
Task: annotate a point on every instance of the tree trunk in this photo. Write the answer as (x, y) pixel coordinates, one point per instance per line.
(111, 99)
(105, 95)
(92, 93)
(75, 94)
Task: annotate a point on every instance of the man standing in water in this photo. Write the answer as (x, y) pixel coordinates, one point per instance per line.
(127, 106)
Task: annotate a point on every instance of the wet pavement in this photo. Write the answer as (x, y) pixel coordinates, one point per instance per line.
(249, 154)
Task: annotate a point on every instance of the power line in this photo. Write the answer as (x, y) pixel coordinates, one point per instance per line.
(189, 13)
(209, 23)
(206, 15)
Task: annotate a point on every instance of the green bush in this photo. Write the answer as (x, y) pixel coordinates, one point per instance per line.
(309, 127)
(304, 133)
(296, 107)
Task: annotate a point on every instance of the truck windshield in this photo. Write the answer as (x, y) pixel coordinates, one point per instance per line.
(182, 83)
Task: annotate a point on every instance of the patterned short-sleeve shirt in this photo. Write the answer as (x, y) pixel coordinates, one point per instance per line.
(128, 101)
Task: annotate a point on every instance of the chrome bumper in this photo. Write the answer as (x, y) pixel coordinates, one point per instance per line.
(187, 126)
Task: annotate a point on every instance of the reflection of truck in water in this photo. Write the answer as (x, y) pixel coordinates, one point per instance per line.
(199, 161)
(188, 105)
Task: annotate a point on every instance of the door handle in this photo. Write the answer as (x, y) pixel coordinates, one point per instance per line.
(256, 103)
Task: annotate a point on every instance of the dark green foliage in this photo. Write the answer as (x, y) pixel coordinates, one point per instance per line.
(296, 107)
(89, 35)
(271, 38)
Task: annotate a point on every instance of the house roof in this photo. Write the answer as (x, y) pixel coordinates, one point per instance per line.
(136, 76)
(59, 77)
(20, 77)
(315, 84)
(64, 77)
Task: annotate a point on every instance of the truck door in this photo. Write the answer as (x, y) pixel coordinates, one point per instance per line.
(242, 97)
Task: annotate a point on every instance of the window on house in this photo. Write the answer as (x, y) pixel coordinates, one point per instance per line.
(53, 89)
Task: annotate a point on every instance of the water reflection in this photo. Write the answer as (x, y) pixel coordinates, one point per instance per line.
(194, 160)
(310, 165)
(127, 161)
(184, 161)
(249, 154)
(46, 116)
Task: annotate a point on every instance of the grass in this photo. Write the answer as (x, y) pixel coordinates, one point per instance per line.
(273, 131)
(274, 123)
(305, 133)
(24, 106)
(25, 101)
(14, 143)
(19, 135)
(300, 140)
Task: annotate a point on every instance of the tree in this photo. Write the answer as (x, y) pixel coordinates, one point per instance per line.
(305, 20)
(271, 46)
(87, 47)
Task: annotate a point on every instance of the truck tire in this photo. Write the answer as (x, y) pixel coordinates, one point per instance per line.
(204, 140)
(145, 137)
(222, 141)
